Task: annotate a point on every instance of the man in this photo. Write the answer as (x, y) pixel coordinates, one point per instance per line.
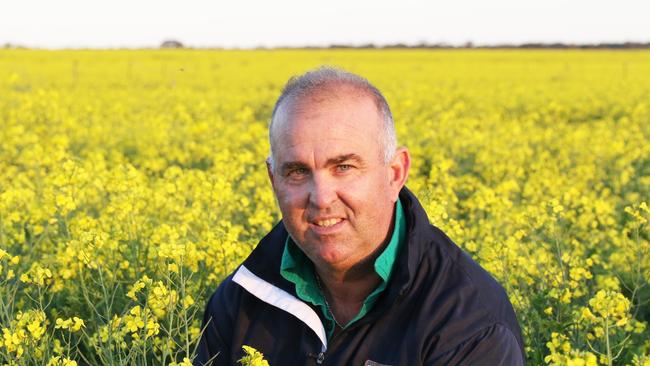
(354, 274)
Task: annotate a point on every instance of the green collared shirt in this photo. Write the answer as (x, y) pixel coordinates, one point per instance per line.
(299, 270)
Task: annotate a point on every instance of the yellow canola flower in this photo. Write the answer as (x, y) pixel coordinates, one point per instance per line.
(638, 214)
(252, 357)
(12, 341)
(36, 328)
(610, 305)
(74, 324)
(134, 290)
(562, 353)
(63, 323)
(134, 322)
(188, 301)
(25, 331)
(587, 314)
(161, 299)
(138, 319)
(61, 361)
(186, 362)
(37, 275)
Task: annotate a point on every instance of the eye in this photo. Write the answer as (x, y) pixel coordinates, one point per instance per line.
(297, 173)
(343, 167)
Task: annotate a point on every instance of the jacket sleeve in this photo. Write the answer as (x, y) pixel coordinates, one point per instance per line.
(495, 345)
(215, 343)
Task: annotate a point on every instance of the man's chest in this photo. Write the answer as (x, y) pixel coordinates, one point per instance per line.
(396, 337)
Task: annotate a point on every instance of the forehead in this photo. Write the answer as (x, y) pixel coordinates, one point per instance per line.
(328, 124)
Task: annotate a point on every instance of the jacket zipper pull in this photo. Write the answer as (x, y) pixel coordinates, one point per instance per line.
(320, 357)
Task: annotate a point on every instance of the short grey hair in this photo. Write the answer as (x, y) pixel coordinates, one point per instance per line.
(324, 78)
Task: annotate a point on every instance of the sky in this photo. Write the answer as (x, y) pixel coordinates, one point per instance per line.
(277, 23)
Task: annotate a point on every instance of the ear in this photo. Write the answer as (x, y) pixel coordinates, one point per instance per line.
(399, 170)
(269, 171)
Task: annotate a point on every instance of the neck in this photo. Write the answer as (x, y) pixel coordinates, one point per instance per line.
(351, 286)
(346, 291)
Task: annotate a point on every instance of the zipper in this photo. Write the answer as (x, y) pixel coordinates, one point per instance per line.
(320, 356)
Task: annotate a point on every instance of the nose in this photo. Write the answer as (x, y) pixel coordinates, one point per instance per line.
(322, 192)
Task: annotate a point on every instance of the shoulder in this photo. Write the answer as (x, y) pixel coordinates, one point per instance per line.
(214, 347)
(261, 266)
(224, 301)
(470, 305)
(466, 274)
(493, 345)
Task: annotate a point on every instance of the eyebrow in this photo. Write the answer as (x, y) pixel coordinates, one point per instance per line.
(291, 165)
(343, 158)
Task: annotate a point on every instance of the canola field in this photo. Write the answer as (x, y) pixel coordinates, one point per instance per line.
(133, 182)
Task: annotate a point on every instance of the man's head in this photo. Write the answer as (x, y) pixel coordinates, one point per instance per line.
(334, 167)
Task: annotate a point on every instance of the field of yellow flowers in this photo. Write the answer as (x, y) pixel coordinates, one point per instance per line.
(133, 182)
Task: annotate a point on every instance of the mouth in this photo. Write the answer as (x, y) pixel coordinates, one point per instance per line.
(327, 222)
(326, 226)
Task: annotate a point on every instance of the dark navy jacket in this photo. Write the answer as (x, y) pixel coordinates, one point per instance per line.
(440, 308)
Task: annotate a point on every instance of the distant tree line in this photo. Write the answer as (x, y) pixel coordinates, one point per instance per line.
(469, 45)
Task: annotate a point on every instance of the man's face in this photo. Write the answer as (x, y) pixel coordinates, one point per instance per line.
(335, 192)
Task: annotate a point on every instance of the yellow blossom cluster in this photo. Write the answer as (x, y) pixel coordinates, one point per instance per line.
(133, 182)
(563, 354)
(24, 333)
(185, 362)
(61, 361)
(252, 357)
(138, 319)
(37, 275)
(74, 324)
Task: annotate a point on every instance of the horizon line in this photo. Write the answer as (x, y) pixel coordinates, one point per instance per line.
(175, 44)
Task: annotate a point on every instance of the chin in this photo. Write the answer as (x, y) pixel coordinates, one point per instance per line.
(331, 255)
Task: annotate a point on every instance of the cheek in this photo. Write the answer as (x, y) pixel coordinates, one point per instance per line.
(368, 198)
(291, 200)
